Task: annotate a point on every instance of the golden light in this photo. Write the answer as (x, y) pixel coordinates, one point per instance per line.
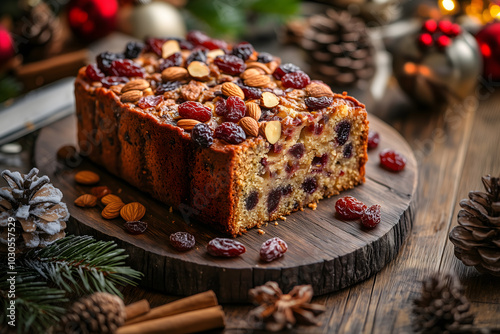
(448, 5)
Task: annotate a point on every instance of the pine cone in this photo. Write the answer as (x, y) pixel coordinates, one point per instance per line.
(442, 307)
(35, 204)
(99, 313)
(339, 49)
(477, 236)
(279, 311)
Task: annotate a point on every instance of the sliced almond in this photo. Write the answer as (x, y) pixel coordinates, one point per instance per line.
(231, 89)
(250, 126)
(253, 110)
(112, 210)
(258, 81)
(131, 96)
(110, 199)
(315, 89)
(269, 100)
(251, 72)
(198, 70)
(263, 67)
(271, 131)
(174, 73)
(86, 201)
(187, 124)
(169, 48)
(138, 84)
(215, 53)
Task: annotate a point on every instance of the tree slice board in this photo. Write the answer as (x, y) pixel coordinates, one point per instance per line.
(324, 251)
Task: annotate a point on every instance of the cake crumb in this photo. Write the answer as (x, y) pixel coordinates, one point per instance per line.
(170, 210)
(261, 231)
(282, 217)
(266, 224)
(313, 205)
(276, 223)
(119, 191)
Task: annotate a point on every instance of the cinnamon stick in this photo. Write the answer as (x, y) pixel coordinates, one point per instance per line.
(188, 322)
(191, 303)
(136, 309)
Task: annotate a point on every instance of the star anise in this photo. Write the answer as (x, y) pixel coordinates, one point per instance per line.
(278, 311)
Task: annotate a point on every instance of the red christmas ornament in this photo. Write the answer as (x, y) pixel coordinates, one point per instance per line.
(443, 41)
(92, 19)
(488, 39)
(455, 30)
(430, 26)
(445, 26)
(6, 45)
(425, 40)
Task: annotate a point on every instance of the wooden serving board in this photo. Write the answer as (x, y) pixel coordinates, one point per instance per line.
(328, 253)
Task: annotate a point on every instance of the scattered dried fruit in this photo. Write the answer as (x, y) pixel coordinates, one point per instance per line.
(135, 227)
(272, 249)
(100, 191)
(223, 247)
(284, 69)
(86, 177)
(295, 80)
(373, 139)
(349, 208)
(235, 109)
(371, 216)
(392, 160)
(112, 210)
(230, 64)
(132, 211)
(86, 201)
(316, 103)
(182, 241)
(243, 50)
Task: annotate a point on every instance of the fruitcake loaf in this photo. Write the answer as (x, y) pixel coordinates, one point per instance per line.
(225, 134)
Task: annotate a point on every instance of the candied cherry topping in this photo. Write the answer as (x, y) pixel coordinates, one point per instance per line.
(136, 227)
(202, 135)
(297, 150)
(111, 81)
(197, 55)
(273, 199)
(347, 151)
(167, 86)
(197, 37)
(243, 50)
(230, 132)
(297, 80)
(174, 59)
(252, 200)
(373, 139)
(126, 68)
(94, 73)
(133, 49)
(182, 241)
(251, 93)
(316, 103)
(195, 110)
(343, 129)
(264, 57)
(310, 185)
(224, 247)
(149, 101)
(371, 216)
(235, 109)
(230, 64)
(349, 208)
(105, 59)
(283, 69)
(392, 160)
(273, 249)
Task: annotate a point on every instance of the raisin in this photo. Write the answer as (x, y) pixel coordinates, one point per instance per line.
(373, 139)
(94, 73)
(252, 200)
(349, 208)
(186, 45)
(235, 109)
(316, 103)
(230, 64)
(317, 128)
(136, 227)
(291, 167)
(243, 50)
(155, 45)
(197, 37)
(172, 60)
(283, 69)
(167, 86)
(287, 190)
(371, 216)
(133, 49)
(319, 163)
(182, 241)
(224, 247)
(392, 160)
(297, 80)
(112, 81)
(297, 150)
(195, 110)
(149, 101)
(230, 132)
(343, 129)
(276, 148)
(221, 108)
(126, 68)
(347, 151)
(197, 55)
(213, 44)
(273, 200)
(310, 185)
(273, 249)
(251, 93)
(202, 135)
(105, 59)
(264, 57)
(264, 162)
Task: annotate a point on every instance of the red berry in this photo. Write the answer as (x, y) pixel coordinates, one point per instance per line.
(195, 110)
(373, 139)
(273, 249)
(430, 26)
(297, 80)
(392, 160)
(155, 45)
(94, 73)
(224, 247)
(230, 132)
(349, 208)
(283, 69)
(316, 103)
(136, 227)
(455, 30)
(443, 41)
(425, 40)
(149, 101)
(182, 241)
(297, 150)
(444, 26)
(371, 217)
(126, 68)
(230, 64)
(235, 109)
(221, 108)
(213, 44)
(197, 37)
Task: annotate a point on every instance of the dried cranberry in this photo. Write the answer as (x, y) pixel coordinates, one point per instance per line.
(310, 185)
(172, 60)
(235, 109)
(136, 227)
(343, 129)
(287, 190)
(243, 50)
(264, 162)
(251, 93)
(224, 247)
(126, 68)
(155, 45)
(347, 151)
(283, 69)
(221, 108)
(392, 160)
(292, 167)
(318, 163)
(133, 49)
(230, 132)
(149, 101)
(264, 57)
(273, 200)
(182, 241)
(230, 64)
(105, 59)
(297, 150)
(316, 103)
(297, 80)
(111, 81)
(213, 44)
(197, 55)
(276, 148)
(252, 200)
(373, 139)
(94, 73)
(167, 86)
(197, 37)
(273, 249)
(371, 216)
(349, 208)
(202, 135)
(317, 128)
(195, 110)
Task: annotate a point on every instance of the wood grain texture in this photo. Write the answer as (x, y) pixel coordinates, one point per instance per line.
(323, 251)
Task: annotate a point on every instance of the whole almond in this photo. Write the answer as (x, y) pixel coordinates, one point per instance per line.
(174, 73)
(169, 48)
(110, 199)
(271, 131)
(250, 126)
(257, 81)
(187, 124)
(261, 66)
(231, 89)
(132, 211)
(253, 110)
(251, 72)
(117, 89)
(269, 100)
(131, 96)
(101, 191)
(112, 210)
(86, 177)
(86, 201)
(318, 90)
(198, 70)
(138, 84)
